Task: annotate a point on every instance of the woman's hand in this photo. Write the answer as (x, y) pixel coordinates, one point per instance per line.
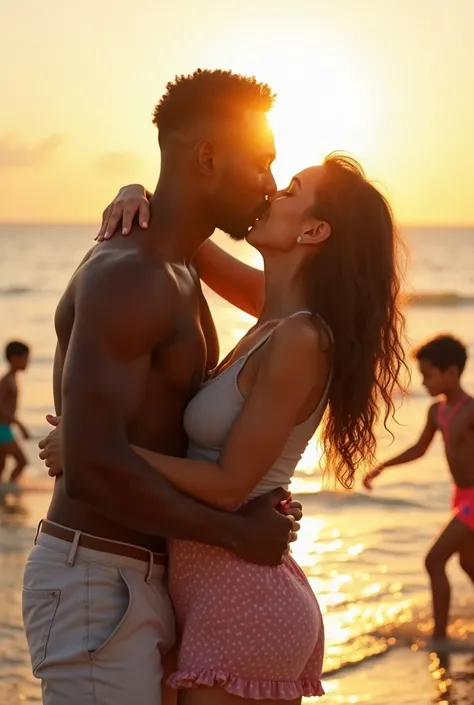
(291, 506)
(51, 449)
(129, 201)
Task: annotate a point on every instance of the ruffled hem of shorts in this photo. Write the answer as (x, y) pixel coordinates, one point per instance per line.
(247, 687)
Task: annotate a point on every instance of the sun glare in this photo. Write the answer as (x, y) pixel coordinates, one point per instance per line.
(323, 101)
(320, 110)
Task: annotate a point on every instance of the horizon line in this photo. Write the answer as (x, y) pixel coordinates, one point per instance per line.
(92, 223)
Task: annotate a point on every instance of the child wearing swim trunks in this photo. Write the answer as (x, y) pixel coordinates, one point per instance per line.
(441, 362)
(17, 355)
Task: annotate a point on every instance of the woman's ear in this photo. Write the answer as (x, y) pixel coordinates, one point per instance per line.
(314, 232)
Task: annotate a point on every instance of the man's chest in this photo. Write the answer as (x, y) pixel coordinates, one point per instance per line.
(176, 372)
(182, 363)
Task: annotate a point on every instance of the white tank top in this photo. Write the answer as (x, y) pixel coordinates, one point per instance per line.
(210, 414)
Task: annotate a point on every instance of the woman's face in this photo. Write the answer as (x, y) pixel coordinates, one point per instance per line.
(288, 223)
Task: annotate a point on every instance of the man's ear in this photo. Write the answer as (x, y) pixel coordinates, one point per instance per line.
(205, 157)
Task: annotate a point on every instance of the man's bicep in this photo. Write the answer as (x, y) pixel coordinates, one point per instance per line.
(115, 329)
(100, 394)
(95, 372)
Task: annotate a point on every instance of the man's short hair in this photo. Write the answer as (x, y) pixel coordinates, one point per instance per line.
(16, 349)
(207, 94)
(442, 352)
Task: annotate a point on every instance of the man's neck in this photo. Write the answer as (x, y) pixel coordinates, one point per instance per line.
(178, 224)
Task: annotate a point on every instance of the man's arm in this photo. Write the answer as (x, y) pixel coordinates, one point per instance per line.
(122, 312)
(117, 324)
(237, 282)
(58, 354)
(257, 438)
(413, 453)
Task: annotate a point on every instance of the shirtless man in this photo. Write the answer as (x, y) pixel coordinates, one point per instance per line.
(135, 342)
(442, 361)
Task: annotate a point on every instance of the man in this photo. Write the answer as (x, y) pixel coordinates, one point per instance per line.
(135, 342)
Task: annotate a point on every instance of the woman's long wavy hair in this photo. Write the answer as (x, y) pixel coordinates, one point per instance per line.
(354, 284)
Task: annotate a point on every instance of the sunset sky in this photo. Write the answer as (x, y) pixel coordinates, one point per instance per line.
(392, 83)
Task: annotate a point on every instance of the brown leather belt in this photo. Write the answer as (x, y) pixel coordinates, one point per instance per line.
(105, 545)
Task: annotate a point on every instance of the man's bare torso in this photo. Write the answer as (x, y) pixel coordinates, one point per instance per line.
(176, 369)
(460, 445)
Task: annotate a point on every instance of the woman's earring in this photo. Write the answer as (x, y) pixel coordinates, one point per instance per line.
(299, 239)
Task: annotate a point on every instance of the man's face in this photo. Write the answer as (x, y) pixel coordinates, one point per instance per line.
(244, 181)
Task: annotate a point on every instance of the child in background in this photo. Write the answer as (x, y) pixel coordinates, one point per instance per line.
(17, 355)
(441, 362)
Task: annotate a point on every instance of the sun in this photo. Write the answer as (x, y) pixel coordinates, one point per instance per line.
(323, 99)
(323, 109)
(310, 121)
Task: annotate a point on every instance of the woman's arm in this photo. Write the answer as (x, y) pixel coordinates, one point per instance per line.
(238, 283)
(292, 373)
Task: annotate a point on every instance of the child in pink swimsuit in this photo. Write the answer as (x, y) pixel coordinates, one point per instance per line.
(441, 362)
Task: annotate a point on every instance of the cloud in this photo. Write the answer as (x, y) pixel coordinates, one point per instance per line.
(17, 154)
(117, 162)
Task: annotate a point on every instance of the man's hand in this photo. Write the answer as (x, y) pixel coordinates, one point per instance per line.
(51, 448)
(129, 201)
(268, 533)
(371, 475)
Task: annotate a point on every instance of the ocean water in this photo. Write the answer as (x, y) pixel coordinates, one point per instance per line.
(363, 552)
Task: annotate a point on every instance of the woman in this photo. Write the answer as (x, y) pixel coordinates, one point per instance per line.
(328, 339)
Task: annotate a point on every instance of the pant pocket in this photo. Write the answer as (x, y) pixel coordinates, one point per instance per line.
(167, 615)
(108, 602)
(39, 610)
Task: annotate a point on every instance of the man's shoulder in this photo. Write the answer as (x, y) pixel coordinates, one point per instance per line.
(125, 273)
(122, 296)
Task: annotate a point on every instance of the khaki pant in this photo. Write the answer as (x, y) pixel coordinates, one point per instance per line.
(97, 625)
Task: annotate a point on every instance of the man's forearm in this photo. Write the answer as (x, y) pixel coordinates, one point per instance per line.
(146, 502)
